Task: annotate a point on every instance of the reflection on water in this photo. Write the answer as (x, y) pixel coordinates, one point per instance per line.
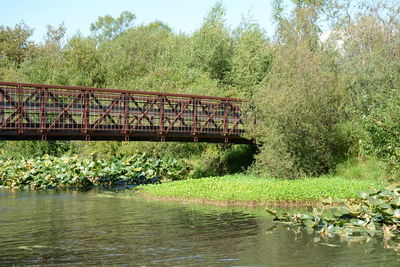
(75, 227)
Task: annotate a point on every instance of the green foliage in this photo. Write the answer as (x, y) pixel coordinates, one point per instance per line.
(300, 108)
(323, 102)
(300, 28)
(66, 171)
(107, 27)
(370, 168)
(251, 59)
(247, 189)
(54, 35)
(369, 74)
(203, 159)
(376, 212)
(15, 48)
(325, 89)
(211, 45)
(140, 50)
(383, 129)
(29, 149)
(14, 44)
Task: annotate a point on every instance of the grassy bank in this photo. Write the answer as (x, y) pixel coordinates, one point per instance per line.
(249, 191)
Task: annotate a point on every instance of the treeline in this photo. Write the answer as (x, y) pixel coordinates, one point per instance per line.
(326, 86)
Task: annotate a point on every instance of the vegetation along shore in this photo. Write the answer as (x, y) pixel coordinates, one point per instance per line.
(247, 190)
(325, 85)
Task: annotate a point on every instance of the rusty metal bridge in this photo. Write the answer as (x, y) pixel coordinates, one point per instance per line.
(53, 112)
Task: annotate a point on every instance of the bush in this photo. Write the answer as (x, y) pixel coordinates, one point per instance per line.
(383, 129)
(363, 169)
(300, 109)
(34, 148)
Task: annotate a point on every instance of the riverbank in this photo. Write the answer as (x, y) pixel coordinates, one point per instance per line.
(245, 190)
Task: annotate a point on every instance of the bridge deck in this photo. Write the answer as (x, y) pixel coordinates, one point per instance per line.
(52, 112)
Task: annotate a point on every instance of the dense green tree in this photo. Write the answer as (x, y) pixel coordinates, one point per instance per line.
(15, 47)
(14, 44)
(211, 45)
(251, 59)
(300, 27)
(139, 50)
(369, 73)
(108, 28)
(300, 108)
(81, 62)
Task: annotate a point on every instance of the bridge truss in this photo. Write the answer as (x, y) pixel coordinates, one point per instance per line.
(51, 112)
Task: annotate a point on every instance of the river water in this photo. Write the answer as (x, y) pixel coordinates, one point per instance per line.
(94, 228)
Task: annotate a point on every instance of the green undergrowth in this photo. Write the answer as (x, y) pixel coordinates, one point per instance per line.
(358, 169)
(50, 172)
(245, 188)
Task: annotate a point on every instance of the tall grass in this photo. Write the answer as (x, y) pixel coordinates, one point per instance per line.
(363, 169)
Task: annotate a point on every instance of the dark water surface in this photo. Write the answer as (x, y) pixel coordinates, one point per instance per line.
(50, 228)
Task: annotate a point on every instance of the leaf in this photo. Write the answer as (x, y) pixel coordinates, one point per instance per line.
(309, 223)
(272, 212)
(363, 195)
(396, 213)
(357, 222)
(371, 226)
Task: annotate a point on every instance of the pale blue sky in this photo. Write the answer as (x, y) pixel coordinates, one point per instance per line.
(181, 15)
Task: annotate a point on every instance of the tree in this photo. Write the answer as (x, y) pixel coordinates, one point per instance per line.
(14, 44)
(299, 106)
(251, 59)
(299, 102)
(80, 59)
(369, 66)
(108, 28)
(211, 45)
(54, 35)
(301, 26)
(140, 50)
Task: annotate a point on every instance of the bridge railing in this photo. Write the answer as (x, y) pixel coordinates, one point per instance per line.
(39, 111)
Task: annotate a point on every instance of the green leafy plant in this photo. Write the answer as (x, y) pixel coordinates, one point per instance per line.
(376, 211)
(72, 171)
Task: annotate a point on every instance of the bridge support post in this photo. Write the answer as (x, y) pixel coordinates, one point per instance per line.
(20, 110)
(126, 116)
(85, 114)
(225, 131)
(162, 117)
(2, 110)
(43, 101)
(195, 117)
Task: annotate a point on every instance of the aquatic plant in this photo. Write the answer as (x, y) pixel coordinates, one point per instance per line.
(72, 171)
(250, 190)
(375, 212)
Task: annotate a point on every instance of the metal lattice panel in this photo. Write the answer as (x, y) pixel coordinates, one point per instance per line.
(47, 112)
